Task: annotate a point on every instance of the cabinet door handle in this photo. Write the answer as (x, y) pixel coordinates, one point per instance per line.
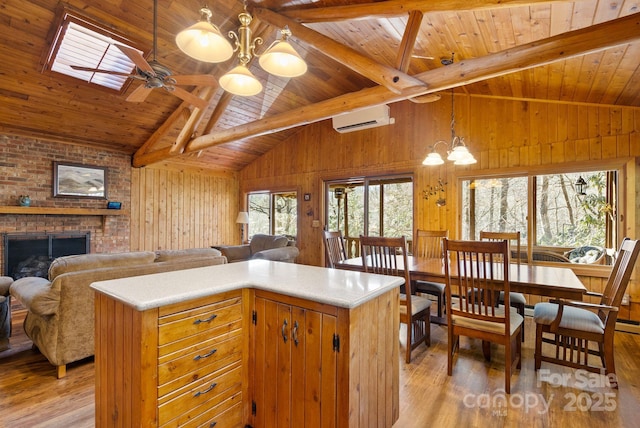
(211, 318)
(294, 333)
(199, 393)
(208, 354)
(284, 331)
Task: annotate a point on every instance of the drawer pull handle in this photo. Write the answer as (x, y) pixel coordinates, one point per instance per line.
(199, 393)
(284, 331)
(294, 333)
(211, 318)
(208, 354)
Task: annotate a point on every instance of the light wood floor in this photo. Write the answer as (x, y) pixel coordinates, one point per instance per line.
(31, 396)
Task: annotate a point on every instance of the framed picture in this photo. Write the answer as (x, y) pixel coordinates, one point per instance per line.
(79, 181)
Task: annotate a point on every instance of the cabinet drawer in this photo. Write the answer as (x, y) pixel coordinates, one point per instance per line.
(190, 322)
(205, 393)
(227, 414)
(204, 358)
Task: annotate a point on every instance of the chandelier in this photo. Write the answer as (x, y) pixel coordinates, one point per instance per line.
(203, 41)
(456, 150)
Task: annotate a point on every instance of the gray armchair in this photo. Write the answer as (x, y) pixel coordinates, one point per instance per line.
(267, 247)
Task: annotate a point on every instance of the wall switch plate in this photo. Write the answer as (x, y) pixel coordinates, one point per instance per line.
(625, 300)
(315, 223)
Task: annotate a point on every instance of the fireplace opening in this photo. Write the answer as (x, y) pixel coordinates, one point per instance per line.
(30, 254)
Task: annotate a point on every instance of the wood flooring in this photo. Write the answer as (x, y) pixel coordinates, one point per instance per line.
(31, 396)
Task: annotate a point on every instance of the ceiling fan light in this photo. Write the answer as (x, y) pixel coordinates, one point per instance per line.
(240, 81)
(433, 158)
(204, 42)
(282, 60)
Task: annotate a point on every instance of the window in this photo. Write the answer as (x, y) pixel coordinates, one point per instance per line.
(378, 206)
(273, 213)
(568, 225)
(80, 42)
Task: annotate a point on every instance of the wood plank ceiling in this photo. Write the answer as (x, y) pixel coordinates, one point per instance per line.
(359, 53)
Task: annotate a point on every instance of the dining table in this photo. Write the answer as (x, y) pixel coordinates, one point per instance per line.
(541, 280)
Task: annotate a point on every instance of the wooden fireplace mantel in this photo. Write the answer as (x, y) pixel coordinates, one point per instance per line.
(58, 211)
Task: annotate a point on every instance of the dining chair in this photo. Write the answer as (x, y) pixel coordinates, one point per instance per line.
(573, 325)
(388, 256)
(335, 247)
(517, 300)
(428, 244)
(476, 274)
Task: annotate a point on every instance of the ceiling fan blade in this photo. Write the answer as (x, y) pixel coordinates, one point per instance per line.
(196, 80)
(189, 97)
(137, 59)
(139, 94)
(97, 70)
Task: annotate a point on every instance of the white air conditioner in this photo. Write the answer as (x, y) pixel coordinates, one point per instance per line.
(363, 119)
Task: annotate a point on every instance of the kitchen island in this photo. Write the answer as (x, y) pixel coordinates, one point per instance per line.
(255, 343)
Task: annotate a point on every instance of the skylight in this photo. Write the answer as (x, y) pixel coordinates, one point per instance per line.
(83, 44)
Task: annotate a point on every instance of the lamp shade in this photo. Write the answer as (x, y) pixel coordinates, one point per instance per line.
(433, 158)
(240, 81)
(458, 153)
(243, 217)
(282, 60)
(204, 42)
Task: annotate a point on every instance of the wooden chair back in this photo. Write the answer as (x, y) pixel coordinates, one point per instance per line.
(428, 243)
(335, 247)
(619, 279)
(512, 237)
(475, 276)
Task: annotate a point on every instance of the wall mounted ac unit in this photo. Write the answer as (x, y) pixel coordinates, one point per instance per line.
(363, 119)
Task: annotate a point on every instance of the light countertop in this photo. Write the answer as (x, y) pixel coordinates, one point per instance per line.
(341, 288)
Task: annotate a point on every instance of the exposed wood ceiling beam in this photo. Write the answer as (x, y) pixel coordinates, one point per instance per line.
(398, 7)
(560, 47)
(392, 78)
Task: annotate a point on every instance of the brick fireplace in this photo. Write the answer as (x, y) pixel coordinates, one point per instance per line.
(26, 168)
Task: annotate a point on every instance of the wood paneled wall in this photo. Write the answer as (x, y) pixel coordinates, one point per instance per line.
(177, 209)
(504, 135)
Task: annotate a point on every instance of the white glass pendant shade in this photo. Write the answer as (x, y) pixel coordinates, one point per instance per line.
(204, 42)
(458, 153)
(433, 158)
(282, 60)
(240, 81)
(468, 160)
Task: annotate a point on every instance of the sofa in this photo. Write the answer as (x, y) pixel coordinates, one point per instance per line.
(267, 247)
(60, 308)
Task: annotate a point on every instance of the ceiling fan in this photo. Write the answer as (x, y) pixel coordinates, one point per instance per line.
(155, 75)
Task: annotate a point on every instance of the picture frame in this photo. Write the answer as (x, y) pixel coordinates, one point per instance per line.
(73, 180)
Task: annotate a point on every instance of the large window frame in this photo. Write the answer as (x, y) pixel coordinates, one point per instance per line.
(373, 215)
(615, 229)
(274, 216)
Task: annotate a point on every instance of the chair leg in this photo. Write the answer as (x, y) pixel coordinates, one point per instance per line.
(538, 350)
(427, 329)
(409, 344)
(440, 298)
(520, 309)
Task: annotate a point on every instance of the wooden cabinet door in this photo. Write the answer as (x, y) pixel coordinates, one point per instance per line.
(294, 379)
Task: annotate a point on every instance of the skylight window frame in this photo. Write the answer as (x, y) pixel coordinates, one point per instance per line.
(67, 17)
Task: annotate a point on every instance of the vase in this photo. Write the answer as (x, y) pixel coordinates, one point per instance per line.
(25, 201)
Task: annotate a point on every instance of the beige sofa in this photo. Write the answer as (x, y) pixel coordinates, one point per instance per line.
(268, 247)
(60, 309)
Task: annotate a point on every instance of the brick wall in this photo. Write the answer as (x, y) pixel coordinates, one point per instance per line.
(26, 167)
